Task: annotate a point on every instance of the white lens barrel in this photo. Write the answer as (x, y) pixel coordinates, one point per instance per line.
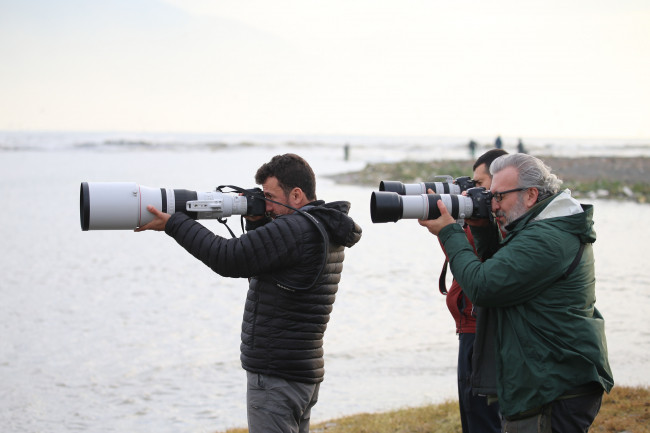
(458, 206)
(423, 187)
(123, 205)
(415, 206)
(414, 188)
(445, 188)
(424, 206)
(215, 204)
(119, 205)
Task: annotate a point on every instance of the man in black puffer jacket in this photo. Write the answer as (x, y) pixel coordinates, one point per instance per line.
(293, 259)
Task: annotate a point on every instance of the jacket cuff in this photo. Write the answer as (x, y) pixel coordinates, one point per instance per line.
(174, 221)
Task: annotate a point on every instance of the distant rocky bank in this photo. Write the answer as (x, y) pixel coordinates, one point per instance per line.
(593, 177)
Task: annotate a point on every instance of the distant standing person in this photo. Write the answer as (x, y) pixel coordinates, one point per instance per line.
(472, 148)
(498, 143)
(520, 147)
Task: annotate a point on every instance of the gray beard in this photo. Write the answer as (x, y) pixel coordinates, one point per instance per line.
(517, 211)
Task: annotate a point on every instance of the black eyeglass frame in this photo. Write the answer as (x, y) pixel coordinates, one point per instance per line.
(498, 196)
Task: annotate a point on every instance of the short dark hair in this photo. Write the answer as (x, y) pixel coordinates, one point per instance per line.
(291, 171)
(488, 157)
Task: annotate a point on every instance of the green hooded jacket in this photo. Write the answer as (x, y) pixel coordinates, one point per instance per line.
(550, 338)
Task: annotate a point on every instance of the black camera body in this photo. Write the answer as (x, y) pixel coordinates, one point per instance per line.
(465, 183)
(255, 203)
(481, 202)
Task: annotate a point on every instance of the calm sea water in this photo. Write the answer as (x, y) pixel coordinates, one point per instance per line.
(115, 331)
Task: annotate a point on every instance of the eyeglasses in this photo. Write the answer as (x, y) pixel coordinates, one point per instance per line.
(498, 196)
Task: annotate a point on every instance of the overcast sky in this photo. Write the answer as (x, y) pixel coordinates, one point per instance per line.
(566, 68)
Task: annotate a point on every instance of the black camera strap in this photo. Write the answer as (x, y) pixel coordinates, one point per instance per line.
(574, 263)
(224, 221)
(442, 281)
(302, 212)
(325, 237)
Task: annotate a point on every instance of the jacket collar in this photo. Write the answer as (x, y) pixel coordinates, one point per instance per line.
(577, 218)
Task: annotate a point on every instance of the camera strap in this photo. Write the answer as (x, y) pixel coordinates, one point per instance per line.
(224, 221)
(574, 263)
(442, 280)
(321, 229)
(301, 211)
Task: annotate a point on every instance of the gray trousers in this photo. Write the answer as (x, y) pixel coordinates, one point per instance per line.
(278, 405)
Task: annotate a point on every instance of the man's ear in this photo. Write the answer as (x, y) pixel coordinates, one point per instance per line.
(531, 197)
(297, 197)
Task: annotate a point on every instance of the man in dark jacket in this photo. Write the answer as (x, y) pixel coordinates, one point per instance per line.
(293, 259)
(551, 352)
(476, 415)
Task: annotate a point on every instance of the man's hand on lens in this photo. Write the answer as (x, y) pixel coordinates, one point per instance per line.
(434, 226)
(158, 223)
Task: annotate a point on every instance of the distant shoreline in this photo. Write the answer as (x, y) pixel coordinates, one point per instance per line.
(608, 177)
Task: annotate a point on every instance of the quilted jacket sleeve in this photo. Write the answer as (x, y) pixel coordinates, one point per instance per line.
(269, 248)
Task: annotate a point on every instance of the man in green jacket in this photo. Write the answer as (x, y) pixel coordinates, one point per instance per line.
(551, 353)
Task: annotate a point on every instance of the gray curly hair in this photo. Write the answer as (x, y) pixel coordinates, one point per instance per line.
(533, 173)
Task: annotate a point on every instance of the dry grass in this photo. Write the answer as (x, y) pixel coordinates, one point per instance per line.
(625, 409)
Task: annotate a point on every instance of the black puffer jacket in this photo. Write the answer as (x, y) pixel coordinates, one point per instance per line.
(286, 314)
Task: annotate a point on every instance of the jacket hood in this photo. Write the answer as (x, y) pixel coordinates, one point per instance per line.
(564, 212)
(341, 229)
